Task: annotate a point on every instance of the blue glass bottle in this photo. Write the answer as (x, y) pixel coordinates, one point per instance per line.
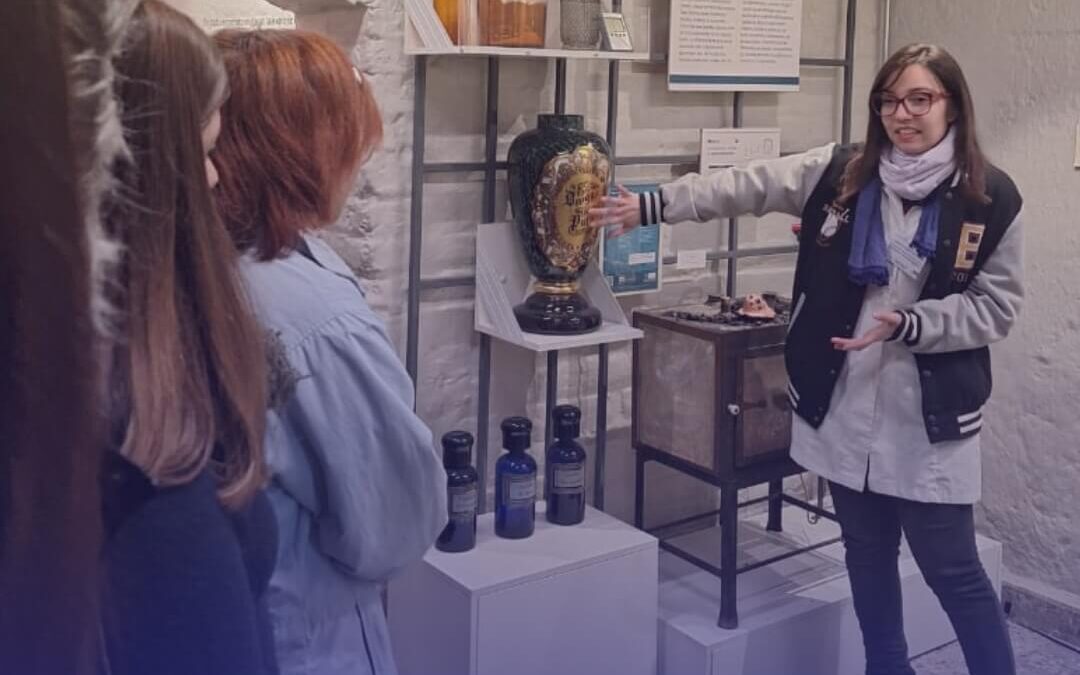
(515, 482)
(461, 489)
(564, 472)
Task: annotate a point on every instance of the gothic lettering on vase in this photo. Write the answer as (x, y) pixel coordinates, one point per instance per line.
(571, 184)
(557, 172)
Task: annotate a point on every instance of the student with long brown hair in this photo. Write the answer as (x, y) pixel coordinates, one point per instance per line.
(909, 267)
(53, 175)
(357, 487)
(190, 538)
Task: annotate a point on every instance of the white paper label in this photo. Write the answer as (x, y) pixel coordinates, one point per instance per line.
(462, 502)
(642, 258)
(691, 259)
(569, 478)
(737, 147)
(520, 490)
(1076, 160)
(283, 21)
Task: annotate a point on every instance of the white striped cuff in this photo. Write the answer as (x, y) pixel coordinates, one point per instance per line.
(970, 423)
(652, 208)
(909, 330)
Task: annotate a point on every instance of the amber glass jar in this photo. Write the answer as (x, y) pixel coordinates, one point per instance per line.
(513, 23)
(448, 14)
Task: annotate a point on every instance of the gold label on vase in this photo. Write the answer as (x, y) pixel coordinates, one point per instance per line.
(570, 185)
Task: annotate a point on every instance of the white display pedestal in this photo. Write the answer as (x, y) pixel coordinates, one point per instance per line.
(578, 600)
(795, 616)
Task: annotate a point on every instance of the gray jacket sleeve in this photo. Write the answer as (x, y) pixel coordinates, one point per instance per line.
(981, 315)
(766, 186)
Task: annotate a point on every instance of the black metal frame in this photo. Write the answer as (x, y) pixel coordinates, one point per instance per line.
(728, 513)
(490, 165)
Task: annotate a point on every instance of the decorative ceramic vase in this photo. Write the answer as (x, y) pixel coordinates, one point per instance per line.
(557, 172)
(579, 23)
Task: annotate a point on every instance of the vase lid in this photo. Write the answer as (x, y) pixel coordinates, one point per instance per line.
(554, 121)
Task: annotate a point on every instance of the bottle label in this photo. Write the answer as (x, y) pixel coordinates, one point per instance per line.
(462, 502)
(569, 478)
(519, 490)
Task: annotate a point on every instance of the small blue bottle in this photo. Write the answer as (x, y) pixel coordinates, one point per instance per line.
(515, 482)
(564, 473)
(461, 489)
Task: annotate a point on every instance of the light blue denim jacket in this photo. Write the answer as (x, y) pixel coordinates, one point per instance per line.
(358, 489)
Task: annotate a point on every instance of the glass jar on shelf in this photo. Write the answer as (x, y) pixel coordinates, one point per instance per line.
(449, 16)
(512, 23)
(579, 23)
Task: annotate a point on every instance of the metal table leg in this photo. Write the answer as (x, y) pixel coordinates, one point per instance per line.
(639, 489)
(776, 504)
(729, 532)
(552, 395)
(601, 428)
(483, 416)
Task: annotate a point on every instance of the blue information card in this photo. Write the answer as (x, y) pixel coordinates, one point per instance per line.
(632, 263)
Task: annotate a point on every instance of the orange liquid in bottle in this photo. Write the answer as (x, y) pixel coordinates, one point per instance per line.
(513, 24)
(448, 14)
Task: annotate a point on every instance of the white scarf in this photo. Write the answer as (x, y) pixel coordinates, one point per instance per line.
(913, 177)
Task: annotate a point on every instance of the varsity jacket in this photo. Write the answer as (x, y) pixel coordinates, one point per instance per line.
(965, 303)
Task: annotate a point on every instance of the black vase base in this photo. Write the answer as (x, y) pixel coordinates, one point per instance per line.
(550, 314)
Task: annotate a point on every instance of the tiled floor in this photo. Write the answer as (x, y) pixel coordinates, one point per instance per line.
(1035, 655)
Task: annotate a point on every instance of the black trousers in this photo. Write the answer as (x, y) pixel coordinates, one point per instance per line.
(942, 539)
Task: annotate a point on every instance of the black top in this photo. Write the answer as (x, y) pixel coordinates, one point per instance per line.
(185, 579)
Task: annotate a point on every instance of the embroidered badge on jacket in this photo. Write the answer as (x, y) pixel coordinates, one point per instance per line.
(836, 217)
(971, 237)
(967, 251)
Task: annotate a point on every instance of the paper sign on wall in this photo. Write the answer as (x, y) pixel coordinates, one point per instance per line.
(737, 147)
(283, 21)
(1076, 160)
(691, 259)
(734, 45)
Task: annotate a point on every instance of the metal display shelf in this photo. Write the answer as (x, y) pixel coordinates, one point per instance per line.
(491, 165)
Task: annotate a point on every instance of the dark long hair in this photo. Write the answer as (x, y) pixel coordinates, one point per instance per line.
(970, 161)
(58, 131)
(189, 369)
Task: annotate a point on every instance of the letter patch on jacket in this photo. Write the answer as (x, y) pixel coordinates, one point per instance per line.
(971, 237)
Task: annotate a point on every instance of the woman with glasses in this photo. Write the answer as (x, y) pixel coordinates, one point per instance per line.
(909, 266)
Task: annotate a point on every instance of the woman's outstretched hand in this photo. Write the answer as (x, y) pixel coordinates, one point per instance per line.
(620, 214)
(886, 326)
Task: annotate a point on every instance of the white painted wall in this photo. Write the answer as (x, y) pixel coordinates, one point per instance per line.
(1022, 60)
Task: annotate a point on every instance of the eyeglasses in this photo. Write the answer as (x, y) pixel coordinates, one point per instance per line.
(917, 103)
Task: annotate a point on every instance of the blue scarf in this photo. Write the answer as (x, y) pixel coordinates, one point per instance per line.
(868, 262)
(915, 178)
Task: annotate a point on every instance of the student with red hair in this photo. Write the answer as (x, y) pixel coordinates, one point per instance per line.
(357, 488)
